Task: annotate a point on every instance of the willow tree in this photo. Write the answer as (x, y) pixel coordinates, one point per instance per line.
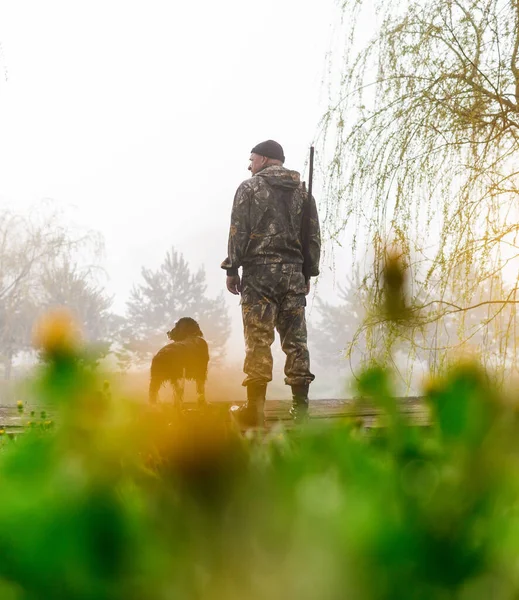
(423, 131)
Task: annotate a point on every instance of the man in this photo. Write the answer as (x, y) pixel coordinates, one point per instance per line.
(274, 232)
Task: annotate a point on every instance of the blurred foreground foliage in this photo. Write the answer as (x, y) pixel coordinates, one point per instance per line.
(120, 501)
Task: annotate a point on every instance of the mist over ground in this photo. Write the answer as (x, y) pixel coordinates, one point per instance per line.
(136, 122)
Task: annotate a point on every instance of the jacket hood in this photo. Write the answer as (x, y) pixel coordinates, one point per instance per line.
(278, 176)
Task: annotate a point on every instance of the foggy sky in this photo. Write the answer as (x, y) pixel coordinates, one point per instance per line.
(137, 118)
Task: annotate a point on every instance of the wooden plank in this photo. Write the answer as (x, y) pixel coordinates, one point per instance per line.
(325, 411)
(11, 419)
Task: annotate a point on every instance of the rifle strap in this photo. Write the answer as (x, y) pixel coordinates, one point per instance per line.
(305, 233)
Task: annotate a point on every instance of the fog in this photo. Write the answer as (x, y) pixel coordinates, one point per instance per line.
(136, 120)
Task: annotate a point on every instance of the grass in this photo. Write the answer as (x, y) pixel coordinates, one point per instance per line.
(117, 500)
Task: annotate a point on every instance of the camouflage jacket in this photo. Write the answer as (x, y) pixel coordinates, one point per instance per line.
(267, 223)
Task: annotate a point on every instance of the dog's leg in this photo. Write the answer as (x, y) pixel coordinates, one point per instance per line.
(200, 393)
(178, 392)
(154, 389)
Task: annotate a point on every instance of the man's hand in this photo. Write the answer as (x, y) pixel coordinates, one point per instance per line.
(307, 288)
(233, 283)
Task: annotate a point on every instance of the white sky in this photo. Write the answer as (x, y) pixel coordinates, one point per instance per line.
(139, 116)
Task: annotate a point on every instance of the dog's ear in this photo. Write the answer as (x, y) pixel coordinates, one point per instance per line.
(194, 328)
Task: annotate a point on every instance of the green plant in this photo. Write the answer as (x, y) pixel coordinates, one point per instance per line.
(119, 500)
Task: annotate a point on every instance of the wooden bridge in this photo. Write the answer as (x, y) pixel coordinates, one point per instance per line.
(326, 411)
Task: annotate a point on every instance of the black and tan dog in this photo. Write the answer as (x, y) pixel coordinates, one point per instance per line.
(185, 358)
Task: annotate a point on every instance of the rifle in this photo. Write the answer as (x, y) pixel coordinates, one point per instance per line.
(306, 220)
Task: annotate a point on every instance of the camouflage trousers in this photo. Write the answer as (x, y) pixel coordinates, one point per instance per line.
(273, 298)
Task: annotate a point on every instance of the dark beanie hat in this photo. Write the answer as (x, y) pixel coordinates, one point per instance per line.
(270, 149)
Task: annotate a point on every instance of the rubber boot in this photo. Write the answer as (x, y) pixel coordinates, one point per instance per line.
(299, 410)
(251, 414)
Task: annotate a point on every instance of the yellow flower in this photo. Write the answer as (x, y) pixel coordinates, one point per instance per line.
(19, 404)
(431, 385)
(2, 431)
(56, 332)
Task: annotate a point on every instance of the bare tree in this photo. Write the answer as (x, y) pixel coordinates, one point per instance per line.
(67, 284)
(28, 246)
